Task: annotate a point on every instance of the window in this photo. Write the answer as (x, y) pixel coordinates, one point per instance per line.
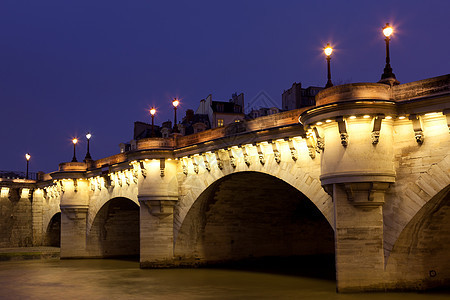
(219, 122)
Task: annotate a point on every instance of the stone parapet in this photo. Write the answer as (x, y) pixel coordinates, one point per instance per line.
(353, 92)
(423, 88)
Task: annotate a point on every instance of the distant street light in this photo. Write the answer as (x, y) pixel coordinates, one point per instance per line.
(88, 155)
(74, 141)
(175, 103)
(328, 50)
(387, 31)
(27, 157)
(152, 113)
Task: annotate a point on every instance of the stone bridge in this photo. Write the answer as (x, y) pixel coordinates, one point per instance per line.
(363, 176)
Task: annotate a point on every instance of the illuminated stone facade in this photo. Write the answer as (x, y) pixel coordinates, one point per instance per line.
(364, 176)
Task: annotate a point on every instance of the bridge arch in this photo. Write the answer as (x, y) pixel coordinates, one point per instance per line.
(419, 258)
(53, 231)
(409, 195)
(115, 229)
(252, 215)
(50, 217)
(302, 174)
(99, 200)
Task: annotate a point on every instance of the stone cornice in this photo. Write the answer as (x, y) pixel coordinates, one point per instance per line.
(348, 108)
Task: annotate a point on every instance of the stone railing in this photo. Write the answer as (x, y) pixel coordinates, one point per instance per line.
(261, 123)
(107, 161)
(155, 143)
(18, 175)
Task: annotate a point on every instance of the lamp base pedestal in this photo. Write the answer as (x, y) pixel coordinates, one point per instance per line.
(391, 81)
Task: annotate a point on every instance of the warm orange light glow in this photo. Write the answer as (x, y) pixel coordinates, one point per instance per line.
(328, 121)
(319, 123)
(74, 141)
(387, 30)
(401, 117)
(153, 111)
(352, 117)
(175, 102)
(366, 116)
(28, 156)
(388, 117)
(328, 50)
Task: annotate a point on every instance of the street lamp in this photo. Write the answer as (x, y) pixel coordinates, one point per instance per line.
(152, 113)
(328, 50)
(74, 141)
(88, 155)
(27, 156)
(387, 31)
(175, 103)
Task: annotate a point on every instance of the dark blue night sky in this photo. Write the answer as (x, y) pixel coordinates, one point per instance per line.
(68, 67)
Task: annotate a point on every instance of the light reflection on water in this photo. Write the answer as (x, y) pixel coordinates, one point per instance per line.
(115, 279)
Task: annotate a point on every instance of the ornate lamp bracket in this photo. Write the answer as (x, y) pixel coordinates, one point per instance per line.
(218, 160)
(245, 154)
(417, 127)
(294, 154)
(320, 140)
(262, 159)
(376, 129)
(143, 170)
(195, 164)
(206, 162)
(232, 159)
(276, 153)
(342, 126)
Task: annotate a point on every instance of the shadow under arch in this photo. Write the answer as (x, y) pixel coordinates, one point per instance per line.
(53, 232)
(115, 230)
(256, 220)
(420, 257)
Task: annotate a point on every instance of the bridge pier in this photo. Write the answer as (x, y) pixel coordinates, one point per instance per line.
(73, 231)
(156, 231)
(358, 237)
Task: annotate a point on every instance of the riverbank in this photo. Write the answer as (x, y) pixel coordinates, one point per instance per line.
(27, 253)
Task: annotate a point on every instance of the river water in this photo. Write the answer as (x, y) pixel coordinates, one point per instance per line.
(117, 279)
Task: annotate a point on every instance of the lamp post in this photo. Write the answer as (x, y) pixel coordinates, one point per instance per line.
(387, 31)
(88, 155)
(328, 50)
(27, 156)
(175, 103)
(152, 113)
(74, 141)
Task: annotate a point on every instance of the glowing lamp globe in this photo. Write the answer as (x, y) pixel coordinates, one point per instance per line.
(328, 50)
(387, 30)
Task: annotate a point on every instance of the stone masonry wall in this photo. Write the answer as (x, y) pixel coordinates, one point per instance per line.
(15, 222)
